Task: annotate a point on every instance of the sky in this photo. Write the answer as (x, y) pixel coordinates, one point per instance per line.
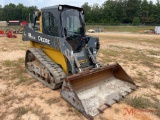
(45, 3)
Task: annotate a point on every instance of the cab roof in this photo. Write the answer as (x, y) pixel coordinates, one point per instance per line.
(64, 6)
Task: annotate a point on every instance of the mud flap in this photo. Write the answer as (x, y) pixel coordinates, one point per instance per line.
(91, 92)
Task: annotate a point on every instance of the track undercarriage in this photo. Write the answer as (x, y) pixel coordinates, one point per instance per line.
(42, 68)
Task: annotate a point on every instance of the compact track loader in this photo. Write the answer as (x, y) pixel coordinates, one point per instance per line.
(62, 55)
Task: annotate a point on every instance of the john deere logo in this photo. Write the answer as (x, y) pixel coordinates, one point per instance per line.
(30, 36)
(44, 40)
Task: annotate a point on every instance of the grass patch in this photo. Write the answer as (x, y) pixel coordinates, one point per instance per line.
(149, 64)
(22, 79)
(20, 111)
(141, 77)
(138, 57)
(41, 97)
(10, 27)
(9, 98)
(155, 99)
(143, 103)
(16, 71)
(2, 116)
(8, 63)
(157, 85)
(139, 73)
(74, 112)
(144, 84)
(12, 98)
(6, 93)
(158, 112)
(120, 28)
(71, 110)
(20, 60)
(109, 52)
(139, 102)
(39, 112)
(153, 52)
(13, 63)
(53, 101)
(117, 110)
(19, 75)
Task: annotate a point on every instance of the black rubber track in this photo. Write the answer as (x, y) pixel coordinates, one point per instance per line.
(55, 70)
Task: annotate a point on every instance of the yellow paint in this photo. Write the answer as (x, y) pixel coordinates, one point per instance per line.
(53, 54)
(40, 20)
(32, 44)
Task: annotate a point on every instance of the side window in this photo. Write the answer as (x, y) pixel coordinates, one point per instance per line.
(72, 23)
(50, 25)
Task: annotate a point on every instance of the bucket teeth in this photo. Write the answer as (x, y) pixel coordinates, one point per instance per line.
(134, 87)
(126, 92)
(100, 110)
(116, 101)
(113, 98)
(107, 104)
(103, 108)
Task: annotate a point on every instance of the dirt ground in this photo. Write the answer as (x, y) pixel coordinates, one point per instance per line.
(24, 98)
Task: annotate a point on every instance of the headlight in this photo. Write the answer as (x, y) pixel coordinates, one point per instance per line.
(60, 8)
(82, 11)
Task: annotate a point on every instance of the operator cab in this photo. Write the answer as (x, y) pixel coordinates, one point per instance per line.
(67, 22)
(73, 23)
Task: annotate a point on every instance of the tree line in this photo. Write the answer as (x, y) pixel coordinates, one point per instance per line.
(110, 12)
(16, 12)
(123, 12)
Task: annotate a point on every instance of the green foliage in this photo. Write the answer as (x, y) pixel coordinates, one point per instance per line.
(123, 12)
(15, 12)
(143, 103)
(136, 21)
(139, 102)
